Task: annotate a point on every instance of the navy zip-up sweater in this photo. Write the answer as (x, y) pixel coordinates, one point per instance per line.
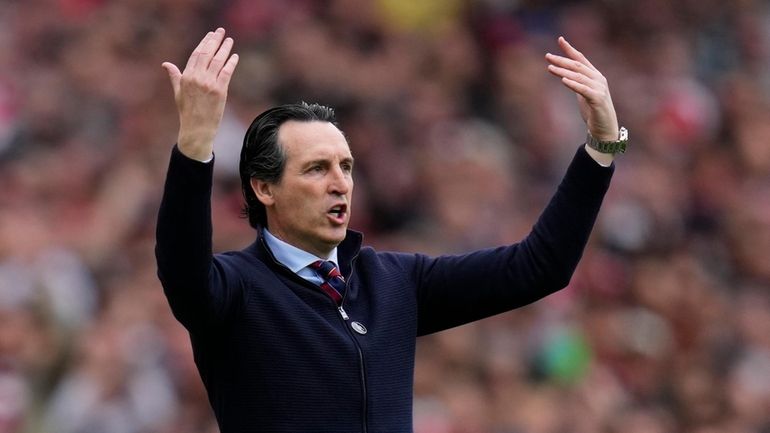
(276, 354)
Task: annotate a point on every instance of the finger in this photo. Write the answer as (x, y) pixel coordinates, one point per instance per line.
(173, 74)
(573, 53)
(572, 75)
(196, 52)
(206, 49)
(581, 89)
(221, 56)
(227, 71)
(572, 65)
(210, 48)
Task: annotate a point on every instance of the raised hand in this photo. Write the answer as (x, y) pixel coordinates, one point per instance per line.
(200, 92)
(593, 93)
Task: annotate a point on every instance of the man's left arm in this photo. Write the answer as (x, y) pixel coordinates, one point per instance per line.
(453, 290)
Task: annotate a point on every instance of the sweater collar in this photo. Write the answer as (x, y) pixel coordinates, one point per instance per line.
(292, 257)
(347, 251)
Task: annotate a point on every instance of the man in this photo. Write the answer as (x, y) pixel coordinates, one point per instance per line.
(305, 330)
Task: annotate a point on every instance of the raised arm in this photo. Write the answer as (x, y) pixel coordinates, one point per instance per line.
(453, 290)
(196, 286)
(593, 94)
(200, 92)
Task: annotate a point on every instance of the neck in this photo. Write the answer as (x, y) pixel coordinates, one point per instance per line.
(322, 252)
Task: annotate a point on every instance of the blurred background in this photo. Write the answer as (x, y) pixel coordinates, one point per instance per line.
(460, 137)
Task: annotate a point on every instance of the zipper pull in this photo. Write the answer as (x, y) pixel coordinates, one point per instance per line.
(343, 313)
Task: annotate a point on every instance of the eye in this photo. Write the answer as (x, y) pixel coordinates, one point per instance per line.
(347, 167)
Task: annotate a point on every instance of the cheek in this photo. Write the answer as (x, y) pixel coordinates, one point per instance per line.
(304, 205)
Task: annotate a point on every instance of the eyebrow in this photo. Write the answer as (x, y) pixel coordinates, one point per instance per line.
(349, 159)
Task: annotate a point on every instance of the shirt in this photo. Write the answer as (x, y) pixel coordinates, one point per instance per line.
(297, 260)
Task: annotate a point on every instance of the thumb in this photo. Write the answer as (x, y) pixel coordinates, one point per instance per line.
(174, 75)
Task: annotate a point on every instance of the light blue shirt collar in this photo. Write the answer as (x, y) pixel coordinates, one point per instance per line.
(297, 260)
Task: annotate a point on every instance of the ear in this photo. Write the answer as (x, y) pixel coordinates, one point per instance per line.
(263, 190)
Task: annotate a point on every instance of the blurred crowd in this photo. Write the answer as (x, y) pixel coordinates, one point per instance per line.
(460, 137)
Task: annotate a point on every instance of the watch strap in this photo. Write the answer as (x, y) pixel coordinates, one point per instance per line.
(613, 146)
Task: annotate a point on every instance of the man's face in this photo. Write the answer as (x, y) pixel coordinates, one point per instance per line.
(310, 206)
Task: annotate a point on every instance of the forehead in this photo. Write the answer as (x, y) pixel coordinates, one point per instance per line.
(305, 140)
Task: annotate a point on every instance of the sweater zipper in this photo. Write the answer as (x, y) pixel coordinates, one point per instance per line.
(361, 364)
(345, 318)
(362, 369)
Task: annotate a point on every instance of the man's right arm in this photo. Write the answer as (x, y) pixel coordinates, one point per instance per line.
(183, 250)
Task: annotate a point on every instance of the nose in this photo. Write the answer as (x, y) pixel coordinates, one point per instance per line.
(341, 182)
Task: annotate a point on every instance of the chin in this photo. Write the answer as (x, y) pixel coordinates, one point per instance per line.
(337, 235)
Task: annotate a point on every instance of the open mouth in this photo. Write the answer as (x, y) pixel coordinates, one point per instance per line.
(338, 211)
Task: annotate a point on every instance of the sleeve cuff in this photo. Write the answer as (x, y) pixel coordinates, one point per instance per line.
(177, 154)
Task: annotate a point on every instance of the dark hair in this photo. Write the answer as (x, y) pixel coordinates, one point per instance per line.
(263, 158)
